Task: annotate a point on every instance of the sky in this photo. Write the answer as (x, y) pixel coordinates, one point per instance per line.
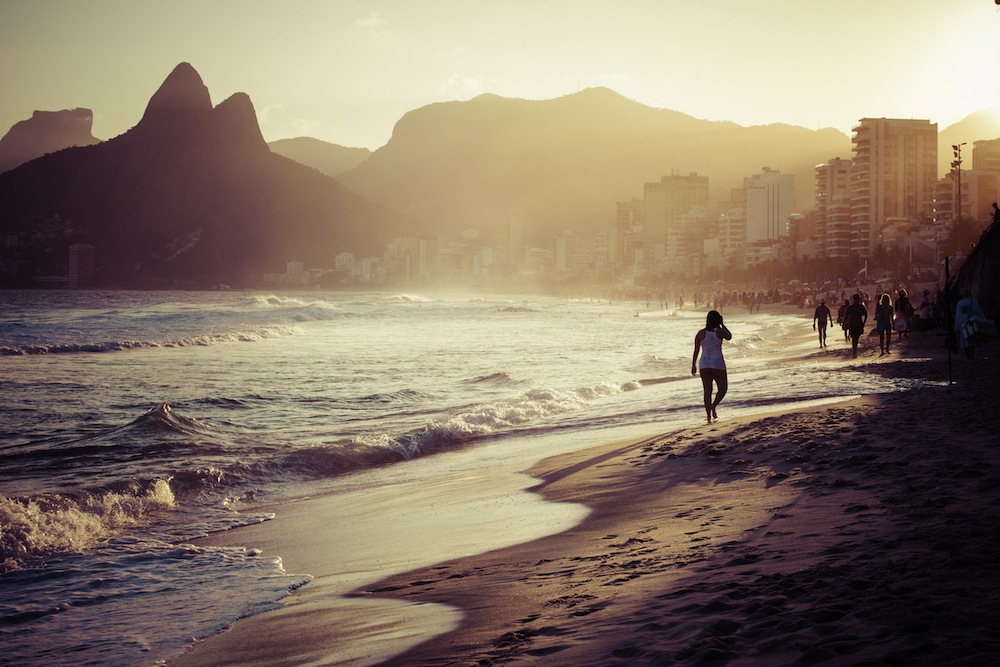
(345, 71)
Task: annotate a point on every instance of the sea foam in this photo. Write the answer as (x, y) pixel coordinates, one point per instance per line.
(35, 527)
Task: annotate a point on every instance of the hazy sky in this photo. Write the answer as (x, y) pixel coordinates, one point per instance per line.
(346, 70)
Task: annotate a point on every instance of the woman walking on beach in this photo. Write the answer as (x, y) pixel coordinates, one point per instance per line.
(904, 311)
(883, 323)
(708, 341)
(854, 321)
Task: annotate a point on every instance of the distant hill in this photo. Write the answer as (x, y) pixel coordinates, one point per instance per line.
(563, 163)
(328, 158)
(981, 125)
(193, 196)
(189, 197)
(46, 132)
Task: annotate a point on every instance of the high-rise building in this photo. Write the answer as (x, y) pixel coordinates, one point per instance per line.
(893, 175)
(770, 200)
(979, 190)
(668, 206)
(732, 238)
(565, 251)
(427, 257)
(628, 227)
(833, 182)
(986, 155)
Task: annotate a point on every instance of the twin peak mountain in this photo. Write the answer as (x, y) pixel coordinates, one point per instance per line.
(194, 196)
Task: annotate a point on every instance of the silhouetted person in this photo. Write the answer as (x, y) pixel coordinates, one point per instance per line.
(967, 308)
(841, 315)
(854, 321)
(822, 316)
(708, 341)
(904, 312)
(883, 323)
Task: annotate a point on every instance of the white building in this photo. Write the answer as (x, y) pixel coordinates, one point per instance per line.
(770, 200)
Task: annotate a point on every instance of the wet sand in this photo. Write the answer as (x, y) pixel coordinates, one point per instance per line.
(860, 533)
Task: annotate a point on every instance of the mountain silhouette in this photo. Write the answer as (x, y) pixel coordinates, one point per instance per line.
(191, 196)
(981, 125)
(563, 163)
(328, 158)
(46, 132)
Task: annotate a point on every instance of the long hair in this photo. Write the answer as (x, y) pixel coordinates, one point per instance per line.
(714, 320)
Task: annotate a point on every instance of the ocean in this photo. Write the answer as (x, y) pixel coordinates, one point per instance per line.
(132, 423)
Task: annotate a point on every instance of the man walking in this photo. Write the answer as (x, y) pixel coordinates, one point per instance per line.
(823, 316)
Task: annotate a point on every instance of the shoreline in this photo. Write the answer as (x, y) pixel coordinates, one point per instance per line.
(831, 532)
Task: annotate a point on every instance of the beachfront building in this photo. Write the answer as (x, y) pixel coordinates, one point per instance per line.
(893, 175)
(668, 208)
(427, 257)
(770, 200)
(986, 155)
(979, 189)
(344, 261)
(732, 238)
(833, 199)
(837, 227)
(626, 246)
(686, 242)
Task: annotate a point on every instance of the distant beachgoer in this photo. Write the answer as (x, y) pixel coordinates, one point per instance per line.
(925, 305)
(841, 314)
(708, 341)
(904, 311)
(966, 308)
(822, 316)
(855, 318)
(883, 323)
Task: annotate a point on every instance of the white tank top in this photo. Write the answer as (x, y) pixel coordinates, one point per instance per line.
(711, 351)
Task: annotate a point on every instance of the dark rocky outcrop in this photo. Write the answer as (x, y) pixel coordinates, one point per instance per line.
(46, 132)
(189, 197)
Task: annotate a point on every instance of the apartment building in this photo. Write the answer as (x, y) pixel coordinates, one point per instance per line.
(893, 175)
(770, 200)
(833, 208)
(668, 206)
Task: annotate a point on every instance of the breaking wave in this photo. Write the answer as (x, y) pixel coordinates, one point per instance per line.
(53, 523)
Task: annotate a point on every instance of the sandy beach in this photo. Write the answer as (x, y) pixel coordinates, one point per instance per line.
(863, 533)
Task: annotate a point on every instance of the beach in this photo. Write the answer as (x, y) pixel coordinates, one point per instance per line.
(859, 533)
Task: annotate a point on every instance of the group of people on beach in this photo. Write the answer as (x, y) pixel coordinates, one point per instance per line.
(852, 316)
(891, 316)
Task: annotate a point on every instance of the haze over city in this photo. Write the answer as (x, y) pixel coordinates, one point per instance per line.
(345, 72)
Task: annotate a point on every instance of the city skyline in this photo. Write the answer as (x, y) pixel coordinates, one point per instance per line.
(345, 72)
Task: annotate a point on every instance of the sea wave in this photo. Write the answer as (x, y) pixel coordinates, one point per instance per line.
(465, 424)
(401, 396)
(33, 527)
(498, 379)
(250, 335)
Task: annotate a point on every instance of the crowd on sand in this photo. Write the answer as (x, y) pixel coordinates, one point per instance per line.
(895, 313)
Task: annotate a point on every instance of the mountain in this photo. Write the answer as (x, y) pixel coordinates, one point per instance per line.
(978, 126)
(563, 163)
(46, 132)
(328, 158)
(191, 196)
